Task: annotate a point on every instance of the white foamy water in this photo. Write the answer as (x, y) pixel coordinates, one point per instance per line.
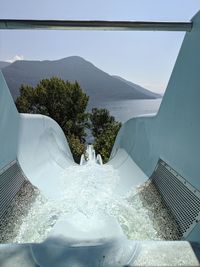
(90, 190)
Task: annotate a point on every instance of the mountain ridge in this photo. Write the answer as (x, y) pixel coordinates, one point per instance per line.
(99, 85)
(138, 87)
(4, 64)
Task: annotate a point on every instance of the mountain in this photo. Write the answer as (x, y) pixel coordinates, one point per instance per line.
(99, 85)
(139, 88)
(3, 64)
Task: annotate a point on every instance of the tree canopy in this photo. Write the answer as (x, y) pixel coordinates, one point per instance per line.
(63, 101)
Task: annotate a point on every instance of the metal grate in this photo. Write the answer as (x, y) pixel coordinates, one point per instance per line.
(11, 180)
(181, 198)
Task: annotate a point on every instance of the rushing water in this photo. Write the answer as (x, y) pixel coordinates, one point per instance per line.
(88, 190)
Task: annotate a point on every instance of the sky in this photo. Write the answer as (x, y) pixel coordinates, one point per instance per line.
(145, 58)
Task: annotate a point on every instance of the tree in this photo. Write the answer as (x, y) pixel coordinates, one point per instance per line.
(104, 128)
(77, 147)
(63, 101)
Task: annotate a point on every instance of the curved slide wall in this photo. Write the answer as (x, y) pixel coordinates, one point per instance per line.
(36, 141)
(174, 133)
(43, 151)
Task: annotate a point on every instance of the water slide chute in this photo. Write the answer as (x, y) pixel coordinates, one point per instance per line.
(164, 148)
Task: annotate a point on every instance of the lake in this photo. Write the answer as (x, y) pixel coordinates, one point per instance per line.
(127, 109)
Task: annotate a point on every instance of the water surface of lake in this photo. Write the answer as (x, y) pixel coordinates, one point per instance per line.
(127, 109)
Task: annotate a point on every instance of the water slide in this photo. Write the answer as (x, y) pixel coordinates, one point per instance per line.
(89, 199)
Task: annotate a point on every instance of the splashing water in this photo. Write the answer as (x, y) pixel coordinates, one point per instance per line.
(90, 190)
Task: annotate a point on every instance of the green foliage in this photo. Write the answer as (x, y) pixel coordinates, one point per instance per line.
(100, 120)
(104, 129)
(63, 101)
(76, 147)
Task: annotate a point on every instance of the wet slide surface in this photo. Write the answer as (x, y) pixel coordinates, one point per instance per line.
(87, 216)
(85, 195)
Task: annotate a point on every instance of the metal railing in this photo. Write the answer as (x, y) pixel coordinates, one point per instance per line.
(16, 24)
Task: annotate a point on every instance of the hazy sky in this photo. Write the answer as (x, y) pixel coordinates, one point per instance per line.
(146, 58)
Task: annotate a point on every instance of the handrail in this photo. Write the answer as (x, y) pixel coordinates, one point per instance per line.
(23, 24)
